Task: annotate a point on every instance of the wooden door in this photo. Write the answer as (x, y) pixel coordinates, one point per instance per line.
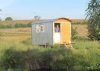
(65, 33)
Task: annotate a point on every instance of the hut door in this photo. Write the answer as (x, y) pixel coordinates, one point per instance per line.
(65, 33)
(57, 33)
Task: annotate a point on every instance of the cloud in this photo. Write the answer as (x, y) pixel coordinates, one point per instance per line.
(6, 3)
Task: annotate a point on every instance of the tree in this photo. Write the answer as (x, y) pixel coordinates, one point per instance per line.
(8, 19)
(93, 17)
(37, 17)
(0, 9)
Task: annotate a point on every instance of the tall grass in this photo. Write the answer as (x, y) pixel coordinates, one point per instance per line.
(23, 56)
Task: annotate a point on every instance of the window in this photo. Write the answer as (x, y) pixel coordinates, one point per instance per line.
(57, 27)
(40, 28)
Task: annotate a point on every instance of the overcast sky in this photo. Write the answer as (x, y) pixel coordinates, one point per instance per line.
(27, 9)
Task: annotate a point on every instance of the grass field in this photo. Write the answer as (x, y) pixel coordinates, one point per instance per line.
(81, 29)
(76, 21)
(16, 22)
(19, 34)
(86, 53)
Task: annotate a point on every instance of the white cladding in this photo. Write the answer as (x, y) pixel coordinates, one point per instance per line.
(42, 33)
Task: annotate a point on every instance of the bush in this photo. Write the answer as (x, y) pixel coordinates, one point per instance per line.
(8, 19)
(15, 26)
(52, 59)
(74, 33)
(29, 25)
(93, 17)
(12, 60)
(22, 25)
(5, 26)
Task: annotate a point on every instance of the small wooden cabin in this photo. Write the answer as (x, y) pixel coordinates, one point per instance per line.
(55, 31)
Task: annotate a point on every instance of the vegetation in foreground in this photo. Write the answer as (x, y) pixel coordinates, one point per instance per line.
(23, 56)
(93, 17)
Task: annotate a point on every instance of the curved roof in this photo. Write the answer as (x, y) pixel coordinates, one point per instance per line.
(65, 19)
(51, 20)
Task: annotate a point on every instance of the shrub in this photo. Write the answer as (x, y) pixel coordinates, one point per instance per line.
(93, 17)
(12, 60)
(8, 19)
(74, 33)
(22, 25)
(2, 26)
(29, 25)
(51, 59)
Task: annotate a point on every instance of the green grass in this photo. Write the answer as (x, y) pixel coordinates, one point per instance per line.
(86, 44)
(84, 57)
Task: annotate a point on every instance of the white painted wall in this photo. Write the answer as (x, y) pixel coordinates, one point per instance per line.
(57, 38)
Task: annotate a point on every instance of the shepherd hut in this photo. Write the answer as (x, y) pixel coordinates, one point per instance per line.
(50, 32)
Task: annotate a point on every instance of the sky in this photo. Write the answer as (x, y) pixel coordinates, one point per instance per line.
(27, 9)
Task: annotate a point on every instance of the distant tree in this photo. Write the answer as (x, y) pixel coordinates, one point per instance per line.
(37, 17)
(8, 19)
(93, 17)
(0, 9)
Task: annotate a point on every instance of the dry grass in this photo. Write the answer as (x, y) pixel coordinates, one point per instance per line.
(18, 30)
(19, 34)
(30, 21)
(81, 30)
(78, 21)
(15, 38)
(16, 22)
(24, 33)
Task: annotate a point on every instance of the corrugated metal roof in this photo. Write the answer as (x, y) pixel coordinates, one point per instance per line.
(50, 20)
(44, 21)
